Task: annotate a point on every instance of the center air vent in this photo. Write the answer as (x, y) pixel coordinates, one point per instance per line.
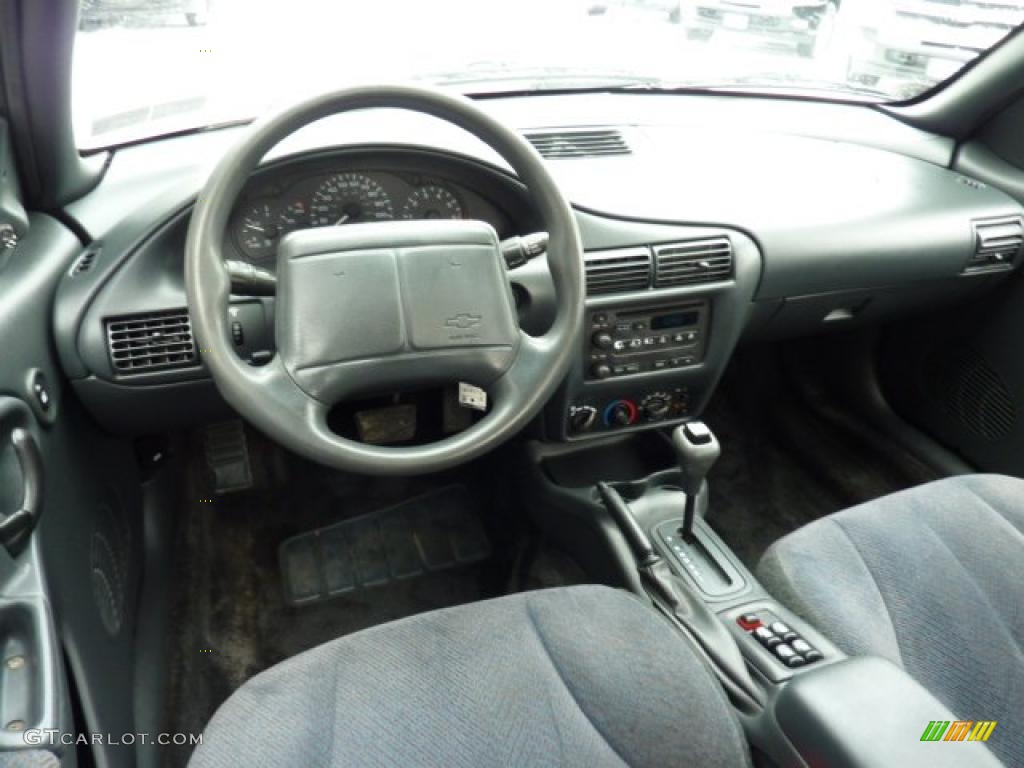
(694, 261)
(596, 142)
(624, 269)
(996, 244)
(151, 342)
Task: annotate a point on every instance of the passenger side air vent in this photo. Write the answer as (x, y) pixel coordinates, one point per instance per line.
(624, 269)
(694, 261)
(151, 342)
(85, 261)
(596, 142)
(996, 244)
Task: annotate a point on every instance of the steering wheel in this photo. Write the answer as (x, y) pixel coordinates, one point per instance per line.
(386, 306)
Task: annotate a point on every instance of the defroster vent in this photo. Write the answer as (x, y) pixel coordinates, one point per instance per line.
(579, 142)
(693, 261)
(151, 342)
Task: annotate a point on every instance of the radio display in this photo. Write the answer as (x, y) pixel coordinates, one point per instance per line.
(674, 320)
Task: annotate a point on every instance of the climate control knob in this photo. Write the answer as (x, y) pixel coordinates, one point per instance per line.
(656, 406)
(581, 417)
(602, 340)
(620, 413)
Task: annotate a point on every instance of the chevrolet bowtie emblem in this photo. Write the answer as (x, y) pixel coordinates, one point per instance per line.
(463, 321)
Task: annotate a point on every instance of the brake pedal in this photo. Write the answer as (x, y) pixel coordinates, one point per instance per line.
(227, 456)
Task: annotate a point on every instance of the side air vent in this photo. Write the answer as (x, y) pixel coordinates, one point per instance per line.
(694, 261)
(996, 244)
(624, 269)
(84, 262)
(596, 142)
(151, 342)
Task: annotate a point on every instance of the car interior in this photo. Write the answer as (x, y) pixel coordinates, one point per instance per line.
(505, 417)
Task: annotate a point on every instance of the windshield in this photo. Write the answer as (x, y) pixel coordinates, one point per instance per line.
(149, 67)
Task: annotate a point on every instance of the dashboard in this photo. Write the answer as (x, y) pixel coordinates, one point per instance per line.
(324, 192)
(704, 222)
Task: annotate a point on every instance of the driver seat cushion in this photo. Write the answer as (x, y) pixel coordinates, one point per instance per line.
(575, 676)
(929, 578)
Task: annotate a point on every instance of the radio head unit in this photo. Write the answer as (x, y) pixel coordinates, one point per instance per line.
(632, 341)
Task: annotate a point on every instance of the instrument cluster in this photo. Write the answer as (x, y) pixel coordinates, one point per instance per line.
(340, 197)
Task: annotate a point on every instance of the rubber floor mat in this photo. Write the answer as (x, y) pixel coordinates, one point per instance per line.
(432, 532)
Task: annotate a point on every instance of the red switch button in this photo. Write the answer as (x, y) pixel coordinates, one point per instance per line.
(749, 622)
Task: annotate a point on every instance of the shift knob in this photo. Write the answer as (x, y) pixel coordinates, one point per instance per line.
(697, 450)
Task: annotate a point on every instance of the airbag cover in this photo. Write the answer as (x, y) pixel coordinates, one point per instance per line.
(394, 302)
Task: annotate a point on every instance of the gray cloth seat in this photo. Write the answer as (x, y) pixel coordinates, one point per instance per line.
(581, 676)
(929, 578)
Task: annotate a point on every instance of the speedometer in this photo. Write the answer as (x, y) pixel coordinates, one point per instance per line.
(347, 198)
(432, 201)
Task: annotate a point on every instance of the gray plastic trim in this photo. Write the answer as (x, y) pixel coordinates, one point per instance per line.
(816, 710)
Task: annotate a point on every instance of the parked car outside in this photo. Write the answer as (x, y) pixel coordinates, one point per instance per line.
(101, 13)
(906, 46)
(806, 25)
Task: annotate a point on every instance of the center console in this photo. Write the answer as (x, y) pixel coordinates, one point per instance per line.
(794, 691)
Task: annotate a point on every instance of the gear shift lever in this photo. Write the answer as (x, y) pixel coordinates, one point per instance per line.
(696, 451)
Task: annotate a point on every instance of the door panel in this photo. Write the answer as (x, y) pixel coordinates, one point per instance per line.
(82, 558)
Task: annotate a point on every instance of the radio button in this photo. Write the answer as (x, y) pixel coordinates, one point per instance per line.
(601, 371)
(602, 340)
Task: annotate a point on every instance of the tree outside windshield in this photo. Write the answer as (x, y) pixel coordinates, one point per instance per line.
(149, 67)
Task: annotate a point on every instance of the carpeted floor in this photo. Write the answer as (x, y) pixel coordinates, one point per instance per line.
(231, 617)
(790, 455)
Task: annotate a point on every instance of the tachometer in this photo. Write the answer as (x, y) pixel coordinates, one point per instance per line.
(346, 198)
(257, 231)
(432, 201)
